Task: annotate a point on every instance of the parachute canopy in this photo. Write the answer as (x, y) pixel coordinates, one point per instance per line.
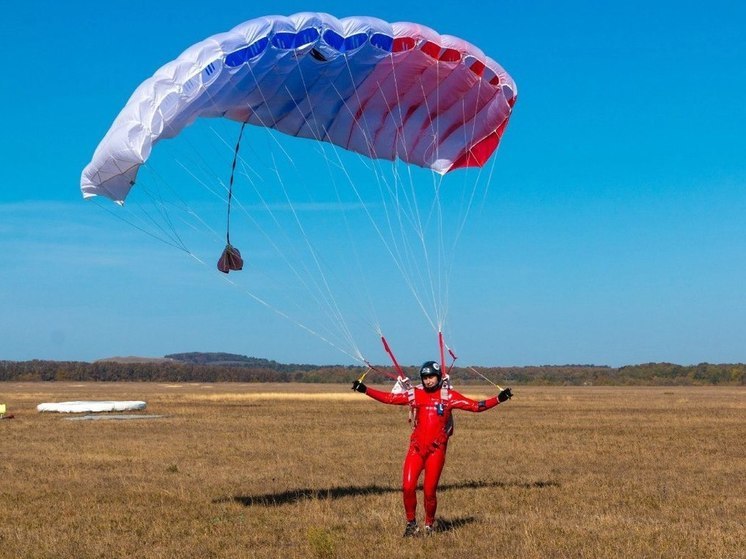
(383, 90)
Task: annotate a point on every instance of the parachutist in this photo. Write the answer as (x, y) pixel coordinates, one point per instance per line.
(432, 404)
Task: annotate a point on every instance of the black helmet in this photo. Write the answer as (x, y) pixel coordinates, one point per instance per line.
(430, 368)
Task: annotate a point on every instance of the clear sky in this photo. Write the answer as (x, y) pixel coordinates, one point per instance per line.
(612, 231)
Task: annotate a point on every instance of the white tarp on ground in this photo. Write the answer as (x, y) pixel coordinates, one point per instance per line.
(92, 406)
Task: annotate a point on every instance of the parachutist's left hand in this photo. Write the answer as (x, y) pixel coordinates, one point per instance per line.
(359, 387)
(506, 394)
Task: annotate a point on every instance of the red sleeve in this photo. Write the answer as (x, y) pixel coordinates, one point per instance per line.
(461, 402)
(400, 399)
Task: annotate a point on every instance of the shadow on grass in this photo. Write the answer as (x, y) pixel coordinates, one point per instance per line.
(333, 493)
(451, 525)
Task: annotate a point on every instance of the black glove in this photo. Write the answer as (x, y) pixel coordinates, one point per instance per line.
(506, 394)
(359, 386)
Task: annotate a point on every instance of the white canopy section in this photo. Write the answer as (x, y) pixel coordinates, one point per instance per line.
(91, 406)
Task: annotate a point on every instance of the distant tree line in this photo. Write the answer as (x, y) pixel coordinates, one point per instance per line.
(651, 374)
(215, 367)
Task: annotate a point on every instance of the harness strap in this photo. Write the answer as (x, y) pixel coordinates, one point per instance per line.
(412, 417)
(445, 391)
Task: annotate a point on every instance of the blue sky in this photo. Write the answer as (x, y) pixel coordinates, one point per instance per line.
(612, 231)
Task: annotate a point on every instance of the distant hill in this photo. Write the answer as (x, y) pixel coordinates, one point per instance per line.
(134, 359)
(236, 360)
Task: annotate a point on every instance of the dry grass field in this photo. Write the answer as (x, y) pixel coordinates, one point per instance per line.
(239, 470)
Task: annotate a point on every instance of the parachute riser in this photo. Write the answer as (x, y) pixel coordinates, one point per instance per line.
(443, 347)
(441, 344)
(393, 358)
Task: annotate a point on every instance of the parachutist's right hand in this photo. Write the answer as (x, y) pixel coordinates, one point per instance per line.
(359, 387)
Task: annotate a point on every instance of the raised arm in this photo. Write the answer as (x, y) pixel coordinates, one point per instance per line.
(461, 402)
(400, 399)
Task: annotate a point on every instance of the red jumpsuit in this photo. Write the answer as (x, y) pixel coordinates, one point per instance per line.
(427, 449)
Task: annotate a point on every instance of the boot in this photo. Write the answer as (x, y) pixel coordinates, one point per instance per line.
(412, 529)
